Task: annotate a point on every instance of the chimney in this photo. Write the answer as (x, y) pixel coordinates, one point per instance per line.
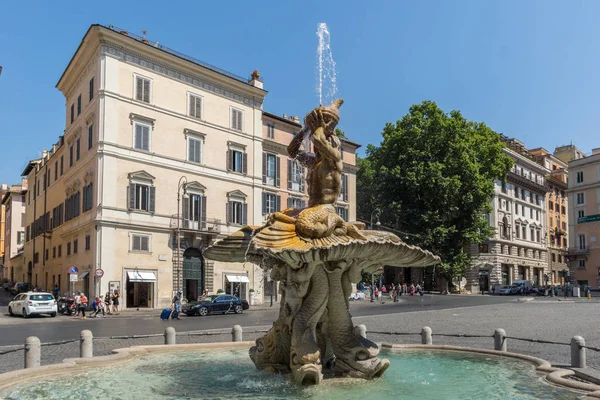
(44, 154)
(284, 116)
(296, 119)
(23, 184)
(255, 79)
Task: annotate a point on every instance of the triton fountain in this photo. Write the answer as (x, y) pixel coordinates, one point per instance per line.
(315, 255)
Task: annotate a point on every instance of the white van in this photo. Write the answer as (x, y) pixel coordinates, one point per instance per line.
(520, 286)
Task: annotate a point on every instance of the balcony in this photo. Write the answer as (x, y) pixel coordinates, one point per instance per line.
(576, 251)
(523, 179)
(210, 225)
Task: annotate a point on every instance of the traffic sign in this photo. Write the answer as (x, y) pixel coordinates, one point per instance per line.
(73, 278)
(99, 272)
(73, 270)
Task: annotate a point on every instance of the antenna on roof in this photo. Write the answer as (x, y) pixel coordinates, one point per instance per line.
(144, 32)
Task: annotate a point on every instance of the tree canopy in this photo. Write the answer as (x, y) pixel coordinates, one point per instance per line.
(433, 177)
(340, 133)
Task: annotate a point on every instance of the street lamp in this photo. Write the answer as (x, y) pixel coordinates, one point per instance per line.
(375, 214)
(181, 185)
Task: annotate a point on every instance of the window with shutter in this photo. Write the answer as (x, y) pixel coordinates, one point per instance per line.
(142, 89)
(61, 165)
(141, 136)
(194, 149)
(55, 171)
(71, 156)
(91, 90)
(195, 106)
(90, 135)
(236, 119)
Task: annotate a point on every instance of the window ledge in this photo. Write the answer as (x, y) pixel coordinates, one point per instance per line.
(140, 211)
(140, 252)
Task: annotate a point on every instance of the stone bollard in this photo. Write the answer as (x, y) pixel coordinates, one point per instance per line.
(33, 352)
(360, 331)
(578, 352)
(500, 340)
(170, 335)
(86, 344)
(236, 333)
(426, 335)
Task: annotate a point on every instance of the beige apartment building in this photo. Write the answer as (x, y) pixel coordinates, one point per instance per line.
(557, 215)
(13, 204)
(162, 154)
(584, 225)
(519, 247)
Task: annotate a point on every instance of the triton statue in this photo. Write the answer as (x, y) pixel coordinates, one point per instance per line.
(315, 255)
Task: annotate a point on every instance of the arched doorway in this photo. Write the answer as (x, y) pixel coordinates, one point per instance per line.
(193, 272)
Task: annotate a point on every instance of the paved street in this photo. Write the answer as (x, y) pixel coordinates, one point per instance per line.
(541, 318)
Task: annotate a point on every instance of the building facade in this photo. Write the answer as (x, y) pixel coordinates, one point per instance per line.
(557, 216)
(518, 249)
(162, 154)
(3, 190)
(584, 217)
(13, 203)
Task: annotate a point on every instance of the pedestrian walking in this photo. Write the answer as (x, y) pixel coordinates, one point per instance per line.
(83, 304)
(107, 303)
(77, 304)
(56, 291)
(115, 302)
(100, 306)
(177, 305)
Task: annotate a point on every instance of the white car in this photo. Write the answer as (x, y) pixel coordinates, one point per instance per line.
(505, 290)
(31, 303)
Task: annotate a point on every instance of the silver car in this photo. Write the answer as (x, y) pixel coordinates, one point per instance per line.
(31, 303)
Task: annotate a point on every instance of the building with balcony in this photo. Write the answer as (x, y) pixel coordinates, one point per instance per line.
(13, 202)
(557, 215)
(162, 154)
(518, 249)
(584, 220)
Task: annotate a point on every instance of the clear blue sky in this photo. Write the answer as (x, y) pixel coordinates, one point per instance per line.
(528, 69)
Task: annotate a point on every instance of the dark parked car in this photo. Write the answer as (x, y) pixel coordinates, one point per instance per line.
(21, 287)
(223, 303)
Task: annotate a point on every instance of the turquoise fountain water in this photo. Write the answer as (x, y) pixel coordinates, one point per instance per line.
(221, 374)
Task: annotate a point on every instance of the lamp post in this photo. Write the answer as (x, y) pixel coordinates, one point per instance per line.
(181, 185)
(375, 214)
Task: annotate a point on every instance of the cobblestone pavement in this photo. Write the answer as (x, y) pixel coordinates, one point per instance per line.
(542, 320)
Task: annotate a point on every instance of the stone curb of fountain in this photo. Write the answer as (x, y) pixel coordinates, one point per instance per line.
(554, 375)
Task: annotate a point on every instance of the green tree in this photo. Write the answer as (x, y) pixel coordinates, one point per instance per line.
(340, 133)
(433, 177)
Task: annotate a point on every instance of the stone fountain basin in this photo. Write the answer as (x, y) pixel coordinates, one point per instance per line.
(223, 370)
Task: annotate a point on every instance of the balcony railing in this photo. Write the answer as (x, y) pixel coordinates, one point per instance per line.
(577, 250)
(210, 225)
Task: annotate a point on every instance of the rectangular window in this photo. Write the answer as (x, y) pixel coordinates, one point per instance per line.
(88, 242)
(564, 226)
(60, 250)
(581, 263)
(54, 252)
(237, 161)
(270, 131)
(344, 190)
(78, 149)
(71, 156)
(47, 254)
(551, 205)
(295, 176)
(531, 235)
(195, 106)
(142, 89)
(531, 213)
(271, 169)
(524, 233)
(49, 175)
(564, 242)
(537, 236)
(271, 203)
(194, 211)
(90, 135)
(72, 113)
(194, 150)
(237, 212)
(564, 210)
(237, 119)
(580, 214)
(537, 215)
(75, 246)
(55, 171)
(142, 197)
(87, 197)
(69, 248)
(20, 238)
(91, 89)
(142, 137)
(580, 177)
(294, 202)
(78, 105)
(140, 243)
(581, 241)
(518, 231)
(342, 212)
(580, 198)
(61, 165)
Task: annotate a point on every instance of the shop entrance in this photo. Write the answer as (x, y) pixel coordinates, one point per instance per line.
(193, 268)
(484, 281)
(140, 289)
(237, 285)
